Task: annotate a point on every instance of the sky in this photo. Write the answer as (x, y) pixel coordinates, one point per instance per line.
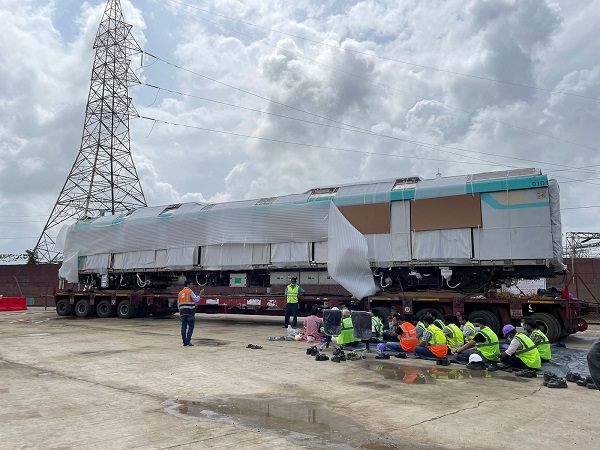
(278, 97)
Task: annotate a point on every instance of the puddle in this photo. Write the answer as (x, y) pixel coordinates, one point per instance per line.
(308, 423)
(35, 334)
(430, 375)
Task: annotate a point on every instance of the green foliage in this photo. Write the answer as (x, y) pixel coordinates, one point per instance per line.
(32, 257)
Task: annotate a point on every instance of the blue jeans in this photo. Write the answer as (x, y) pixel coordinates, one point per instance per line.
(424, 351)
(395, 346)
(291, 309)
(187, 328)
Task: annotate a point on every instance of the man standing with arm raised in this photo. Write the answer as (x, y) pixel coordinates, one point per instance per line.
(186, 301)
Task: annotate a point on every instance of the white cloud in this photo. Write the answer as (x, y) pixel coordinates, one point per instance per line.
(45, 75)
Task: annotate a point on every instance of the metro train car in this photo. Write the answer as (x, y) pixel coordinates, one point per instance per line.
(467, 233)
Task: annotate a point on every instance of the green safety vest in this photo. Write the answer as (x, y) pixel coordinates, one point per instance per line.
(378, 325)
(456, 339)
(468, 325)
(292, 293)
(490, 348)
(421, 325)
(347, 334)
(528, 353)
(543, 345)
(439, 323)
(437, 336)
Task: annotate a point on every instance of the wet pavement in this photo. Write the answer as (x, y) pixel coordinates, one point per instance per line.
(307, 422)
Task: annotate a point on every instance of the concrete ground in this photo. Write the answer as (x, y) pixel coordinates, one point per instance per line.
(112, 383)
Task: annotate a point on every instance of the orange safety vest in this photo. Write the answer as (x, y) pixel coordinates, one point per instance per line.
(185, 303)
(408, 338)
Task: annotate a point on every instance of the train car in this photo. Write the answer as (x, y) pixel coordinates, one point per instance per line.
(467, 233)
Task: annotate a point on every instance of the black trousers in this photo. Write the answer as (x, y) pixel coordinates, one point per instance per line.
(514, 361)
(291, 309)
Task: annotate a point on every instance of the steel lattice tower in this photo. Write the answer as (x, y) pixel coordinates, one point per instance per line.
(103, 178)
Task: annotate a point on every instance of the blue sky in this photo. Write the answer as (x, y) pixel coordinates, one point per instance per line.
(411, 70)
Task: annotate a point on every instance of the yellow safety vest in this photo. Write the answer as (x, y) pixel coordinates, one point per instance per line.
(469, 326)
(456, 339)
(378, 325)
(543, 346)
(528, 353)
(421, 325)
(490, 348)
(347, 334)
(292, 293)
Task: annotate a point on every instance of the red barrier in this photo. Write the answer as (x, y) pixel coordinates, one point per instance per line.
(13, 304)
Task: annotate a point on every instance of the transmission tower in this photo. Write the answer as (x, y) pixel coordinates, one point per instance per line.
(103, 178)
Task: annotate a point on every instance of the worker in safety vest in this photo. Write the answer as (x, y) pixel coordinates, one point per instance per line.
(292, 294)
(433, 343)
(467, 328)
(522, 352)
(484, 343)
(439, 323)
(407, 335)
(539, 339)
(186, 302)
(346, 337)
(454, 336)
(419, 326)
(377, 326)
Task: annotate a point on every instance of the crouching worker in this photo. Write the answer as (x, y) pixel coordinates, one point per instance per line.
(433, 344)
(484, 343)
(346, 337)
(522, 352)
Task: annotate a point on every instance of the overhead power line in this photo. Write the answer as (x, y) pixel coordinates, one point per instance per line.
(372, 55)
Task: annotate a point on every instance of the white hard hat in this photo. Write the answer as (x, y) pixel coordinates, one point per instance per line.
(335, 308)
(475, 358)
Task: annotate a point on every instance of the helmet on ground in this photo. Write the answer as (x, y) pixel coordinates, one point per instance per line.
(475, 358)
(381, 347)
(506, 329)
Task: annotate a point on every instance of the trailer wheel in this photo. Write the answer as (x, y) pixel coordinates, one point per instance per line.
(105, 309)
(432, 312)
(549, 325)
(126, 310)
(64, 307)
(83, 308)
(490, 318)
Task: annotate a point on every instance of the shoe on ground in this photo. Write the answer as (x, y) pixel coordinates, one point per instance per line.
(336, 359)
(382, 356)
(401, 355)
(190, 344)
(592, 386)
(505, 367)
(442, 362)
(573, 377)
(492, 367)
(318, 357)
(476, 365)
(185, 344)
(526, 373)
(557, 383)
(551, 376)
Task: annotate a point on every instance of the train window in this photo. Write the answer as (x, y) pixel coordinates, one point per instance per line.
(323, 193)
(405, 183)
(266, 201)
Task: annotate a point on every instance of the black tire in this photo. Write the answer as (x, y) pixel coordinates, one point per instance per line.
(83, 308)
(433, 312)
(549, 325)
(384, 313)
(490, 318)
(125, 310)
(64, 307)
(104, 309)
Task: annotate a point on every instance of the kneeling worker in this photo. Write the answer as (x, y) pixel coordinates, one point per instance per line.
(485, 343)
(539, 339)
(346, 337)
(433, 344)
(521, 353)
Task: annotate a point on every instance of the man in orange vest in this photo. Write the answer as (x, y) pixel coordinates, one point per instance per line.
(406, 333)
(186, 302)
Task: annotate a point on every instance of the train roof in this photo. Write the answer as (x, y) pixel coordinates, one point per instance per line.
(391, 189)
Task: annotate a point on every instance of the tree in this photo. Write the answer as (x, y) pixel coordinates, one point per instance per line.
(32, 257)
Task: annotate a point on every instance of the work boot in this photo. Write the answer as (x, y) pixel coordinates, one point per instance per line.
(382, 356)
(549, 376)
(505, 367)
(526, 373)
(592, 386)
(401, 355)
(442, 362)
(492, 366)
(556, 383)
(574, 377)
(480, 365)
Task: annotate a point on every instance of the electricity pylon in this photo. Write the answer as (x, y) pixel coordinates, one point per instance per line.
(103, 178)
